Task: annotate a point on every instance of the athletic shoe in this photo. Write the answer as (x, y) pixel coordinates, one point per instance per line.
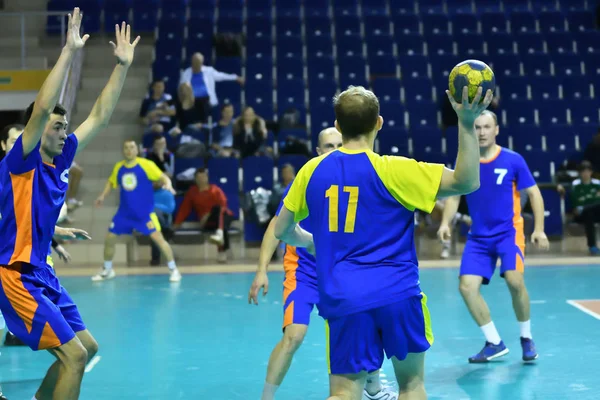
(384, 394)
(529, 352)
(104, 275)
(489, 352)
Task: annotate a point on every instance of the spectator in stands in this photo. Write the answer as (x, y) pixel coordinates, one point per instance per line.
(592, 152)
(585, 195)
(164, 205)
(287, 174)
(188, 117)
(202, 78)
(221, 134)
(75, 175)
(249, 133)
(162, 157)
(158, 109)
(210, 204)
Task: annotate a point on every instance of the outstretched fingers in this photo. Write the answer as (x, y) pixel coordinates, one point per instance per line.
(477, 98)
(136, 41)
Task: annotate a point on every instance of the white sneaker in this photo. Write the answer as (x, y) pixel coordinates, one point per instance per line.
(104, 274)
(385, 394)
(175, 276)
(217, 238)
(222, 257)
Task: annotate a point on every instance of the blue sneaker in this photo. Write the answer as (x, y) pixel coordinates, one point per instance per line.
(529, 352)
(594, 251)
(489, 352)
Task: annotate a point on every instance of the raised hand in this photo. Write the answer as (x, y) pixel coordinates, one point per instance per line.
(124, 49)
(74, 40)
(468, 113)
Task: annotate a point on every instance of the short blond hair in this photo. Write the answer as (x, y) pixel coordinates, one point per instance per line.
(356, 111)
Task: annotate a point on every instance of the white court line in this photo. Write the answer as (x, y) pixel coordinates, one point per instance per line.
(538, 302)
(582, 308)
(95, 360)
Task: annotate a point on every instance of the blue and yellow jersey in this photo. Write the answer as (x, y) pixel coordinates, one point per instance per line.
(361, 210)
(135, 182)
(298, 264)
(32, 195)
(495, 207)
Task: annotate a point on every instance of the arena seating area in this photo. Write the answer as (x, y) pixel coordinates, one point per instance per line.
(545, 54)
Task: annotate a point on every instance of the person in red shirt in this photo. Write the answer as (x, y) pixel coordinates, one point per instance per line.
(210, 205)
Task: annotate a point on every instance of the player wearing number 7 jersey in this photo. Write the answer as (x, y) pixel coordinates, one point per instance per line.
(497, 233)
(360, 207)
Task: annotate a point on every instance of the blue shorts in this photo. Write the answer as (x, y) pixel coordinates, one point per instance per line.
(357, 342)
(125, 225)
(37, 309)
(481, 255)
(299, 299)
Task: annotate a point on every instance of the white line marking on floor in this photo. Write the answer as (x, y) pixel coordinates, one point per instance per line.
(95, 360)
(582, 308)
(538, 301)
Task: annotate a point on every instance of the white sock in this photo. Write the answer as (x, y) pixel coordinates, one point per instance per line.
(34, 398)
(373, 385)
(526, 329)
(171, 265)
(491, 334)
(107, 264)
(269, 391)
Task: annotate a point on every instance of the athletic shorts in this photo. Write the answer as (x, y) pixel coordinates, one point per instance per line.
(481, 255)
(299, 299)
(357, 342)
(124, 225)
(37, 309)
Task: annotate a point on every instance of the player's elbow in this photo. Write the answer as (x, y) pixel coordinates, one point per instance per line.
(466, 187)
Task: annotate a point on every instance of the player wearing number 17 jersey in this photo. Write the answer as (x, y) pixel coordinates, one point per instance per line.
(360, 207)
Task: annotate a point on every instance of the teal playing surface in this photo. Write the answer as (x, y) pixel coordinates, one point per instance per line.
(200, 339)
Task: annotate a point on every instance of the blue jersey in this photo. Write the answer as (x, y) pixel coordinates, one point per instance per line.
(495, 207)
(360, 207)
(33, 192)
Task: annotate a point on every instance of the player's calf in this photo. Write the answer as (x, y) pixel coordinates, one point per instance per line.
(72, 358)
(410, 374)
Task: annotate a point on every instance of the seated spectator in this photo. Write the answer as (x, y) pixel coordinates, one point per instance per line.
(162, 157)
(210, 204)
(164, 205)
(188, 117)
(158, 109)
(592, 152)
(249, 134)
(221, 134)
(202, 78)
(585, 195)
(75, 175)
(287, 175)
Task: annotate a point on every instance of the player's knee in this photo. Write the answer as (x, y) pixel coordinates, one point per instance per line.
(515, 281)
(467, 288)
(75, 357)
(92, 348)
(292, 340)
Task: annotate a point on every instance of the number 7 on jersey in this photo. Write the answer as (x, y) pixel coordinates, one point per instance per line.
(333, 194)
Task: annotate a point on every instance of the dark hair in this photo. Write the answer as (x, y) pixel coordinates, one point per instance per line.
(586, 165)
(7, 129)
(356, 111)
(288, 165)
(58, 109)
(157, 137)
(200, 171)
(224, 106)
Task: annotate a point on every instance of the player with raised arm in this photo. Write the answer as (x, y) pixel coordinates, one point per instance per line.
(300, 295)
(134, 176)
(497, 233)
(361, 210)
(34, 180)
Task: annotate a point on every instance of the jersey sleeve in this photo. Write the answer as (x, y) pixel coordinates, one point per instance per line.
(295, 200)
(414, 184)
(151, 169)
(285, 192)
(523, 174)
(17, 164)
(112, 179)
(70, 149)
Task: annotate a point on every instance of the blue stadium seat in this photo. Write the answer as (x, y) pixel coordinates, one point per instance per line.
(430, 7)
(347, 26)
(261, 100)
(377, 26)
(558, 139)
(257, 172)
(553, 221)
(526, 138)
(523, 21)
(513, 87)
(427, 139)
(403, 8)
(439, 44)
(515, 5)
(519, 113)
(116, 12)
(552, 21)
(351, 11)
(574, 5)
(545, 87)
(567, 65)
(202, 5)
(290, 93)
(258, 28)
(352, 69)
(436, 24)
(536, 64)
(230, 65)
(174, 17)
(296, 160)
(144, 19)
(290, 68)
(262, 47)
(460, 7)
(289, 47)
(465, 24)
(318, 27)
(321, 118)
(183, 164)
(505, 65)
(320, 69)
(223, 172)
(580, 21)
(500, 43)
(316, 4)
(380, 45)
(493, 22)
(288, 26)
(319, 46)
(393, 114)
(470, 44)
(487, 6)
(173, 5)
(530, 43)
(384, 65)
(588, 42)
(540, 164)
(410, 44)
(584, 112)
(229, 92)
(544, 5)
(560, 43)
(423, 155)
(415, 66)
(576, 88)
(259, 70)
(321, 93)
(405, 24)
(584, 134)
(393, 142)
(387, 89)
(230, 23)
(418, 90)
(298, 133)
(422, 114)
(349, 46)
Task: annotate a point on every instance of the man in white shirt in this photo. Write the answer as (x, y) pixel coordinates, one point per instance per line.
(202, 78)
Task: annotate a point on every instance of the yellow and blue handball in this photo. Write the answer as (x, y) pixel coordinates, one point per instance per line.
(473, 74)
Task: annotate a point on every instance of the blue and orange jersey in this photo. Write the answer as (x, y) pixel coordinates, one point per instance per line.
(495, 207)
(32, 195)
(298, 264)
(360, 207)
(135, 182)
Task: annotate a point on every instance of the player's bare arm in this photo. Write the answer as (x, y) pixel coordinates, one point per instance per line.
(50, 91)
(450, 209)
(288, 231)
(166, 183)
(464, 179)
(105, 192)
(538, 237)
(106, 103)
(267, 249)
